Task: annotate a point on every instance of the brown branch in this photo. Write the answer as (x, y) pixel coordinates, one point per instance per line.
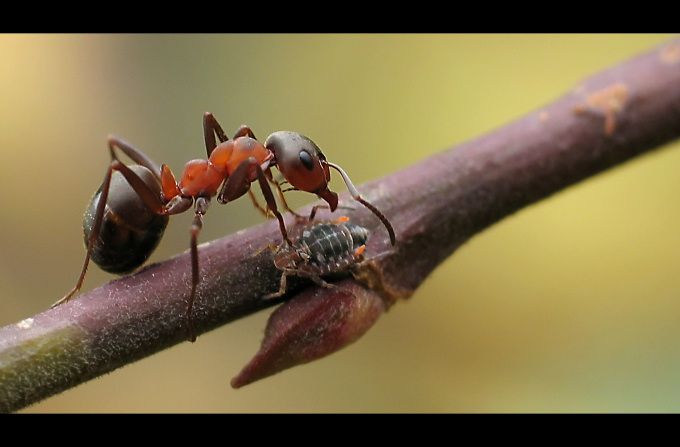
(434, 206)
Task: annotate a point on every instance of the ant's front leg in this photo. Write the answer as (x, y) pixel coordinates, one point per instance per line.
(265, 211)
(282, 198)
(257, 205)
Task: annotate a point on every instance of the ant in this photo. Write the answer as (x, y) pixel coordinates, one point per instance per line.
(128, 215)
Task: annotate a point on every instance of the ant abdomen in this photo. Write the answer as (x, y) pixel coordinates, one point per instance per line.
(130, 231)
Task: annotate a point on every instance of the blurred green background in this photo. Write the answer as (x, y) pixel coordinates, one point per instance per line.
(571, 305)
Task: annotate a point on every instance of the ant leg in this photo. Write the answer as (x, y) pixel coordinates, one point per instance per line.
(282, 198)
(135, 154)
(257, 205)
(212, 128)
(201, 207)
(94, 234)
(150, 198)
(238, 183)
(279, 193)
(271, 202)
(244, 131)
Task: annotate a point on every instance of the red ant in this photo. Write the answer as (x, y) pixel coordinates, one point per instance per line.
(129, 213)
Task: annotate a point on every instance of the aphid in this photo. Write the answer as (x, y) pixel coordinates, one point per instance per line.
(322, 249)
(129, 213)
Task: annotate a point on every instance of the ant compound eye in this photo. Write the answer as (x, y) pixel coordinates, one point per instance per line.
(307, 160)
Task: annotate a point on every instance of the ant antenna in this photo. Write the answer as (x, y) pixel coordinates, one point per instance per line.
(357, 197)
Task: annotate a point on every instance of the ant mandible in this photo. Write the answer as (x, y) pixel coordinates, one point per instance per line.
(129, 213)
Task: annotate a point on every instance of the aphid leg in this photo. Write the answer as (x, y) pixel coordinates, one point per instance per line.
(320, 281)
(317, 279)
(282, 288)
(315, 208)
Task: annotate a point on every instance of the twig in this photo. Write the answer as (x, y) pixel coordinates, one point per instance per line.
(434, 206)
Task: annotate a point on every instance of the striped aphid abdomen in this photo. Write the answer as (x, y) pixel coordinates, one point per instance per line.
(331, 247)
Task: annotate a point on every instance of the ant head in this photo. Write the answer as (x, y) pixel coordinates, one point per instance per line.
(302, 164)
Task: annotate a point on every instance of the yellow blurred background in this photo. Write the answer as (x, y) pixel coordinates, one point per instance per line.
(571, 305)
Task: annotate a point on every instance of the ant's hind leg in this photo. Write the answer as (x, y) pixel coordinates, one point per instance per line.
(135, 154)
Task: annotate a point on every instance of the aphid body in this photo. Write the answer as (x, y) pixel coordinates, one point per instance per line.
(322, 249)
